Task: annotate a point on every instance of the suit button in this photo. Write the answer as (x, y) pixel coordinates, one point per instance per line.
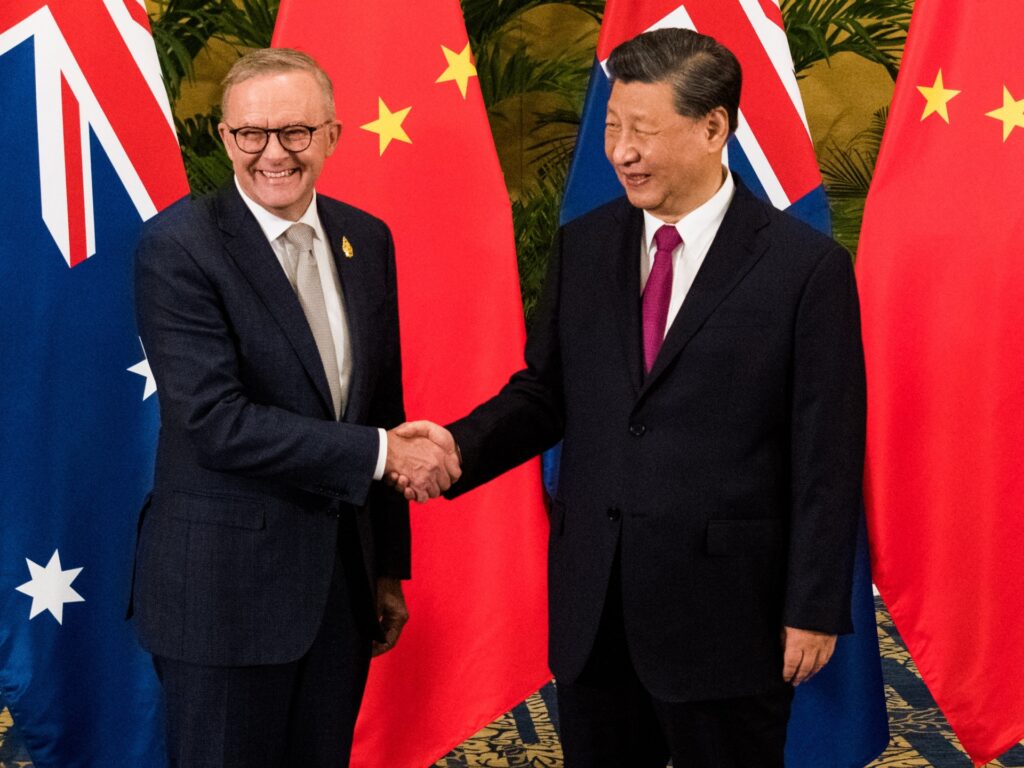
(614, 513)
(636, 430)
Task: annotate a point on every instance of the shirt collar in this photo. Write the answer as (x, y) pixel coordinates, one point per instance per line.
(698, 220)
(274, 226)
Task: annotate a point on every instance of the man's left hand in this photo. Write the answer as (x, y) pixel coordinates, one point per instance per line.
(804, 653)
(392, 613)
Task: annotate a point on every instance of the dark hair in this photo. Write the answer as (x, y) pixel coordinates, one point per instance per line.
(704, 74)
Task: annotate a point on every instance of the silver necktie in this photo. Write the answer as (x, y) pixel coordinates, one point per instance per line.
(307, 285)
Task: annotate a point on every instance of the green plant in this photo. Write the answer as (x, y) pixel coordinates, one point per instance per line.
(873, 29)
(206, 163)
(534, 101)
(488, 19)
(536, 220)
(847, 171)
(182, 29)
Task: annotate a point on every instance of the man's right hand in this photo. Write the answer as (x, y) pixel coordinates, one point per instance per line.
(422, 460)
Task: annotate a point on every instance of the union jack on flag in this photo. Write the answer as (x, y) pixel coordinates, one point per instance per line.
(839, 718)
(89, 153)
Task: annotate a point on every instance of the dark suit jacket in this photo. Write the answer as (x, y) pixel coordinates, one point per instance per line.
(730, 476)
(253, 474)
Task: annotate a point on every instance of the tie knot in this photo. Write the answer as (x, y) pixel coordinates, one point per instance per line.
(667, 238)
(301, 236)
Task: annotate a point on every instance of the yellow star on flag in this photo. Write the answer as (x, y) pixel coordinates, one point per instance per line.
(388, 125)
(1011, 113)
(460, 68)
(938, 97)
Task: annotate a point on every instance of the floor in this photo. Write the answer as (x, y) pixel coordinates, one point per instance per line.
(527, 736)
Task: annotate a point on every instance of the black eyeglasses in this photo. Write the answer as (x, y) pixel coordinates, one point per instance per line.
(294, 138)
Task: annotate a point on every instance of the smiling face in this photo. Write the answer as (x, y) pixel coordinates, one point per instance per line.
(668, 164)
(279, 180)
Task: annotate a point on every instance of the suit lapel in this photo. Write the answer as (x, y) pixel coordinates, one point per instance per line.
(355, 298)
(250, 250)
(735, 250)
(625, 284)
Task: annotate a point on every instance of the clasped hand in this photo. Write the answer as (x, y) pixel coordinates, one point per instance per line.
(422, 460)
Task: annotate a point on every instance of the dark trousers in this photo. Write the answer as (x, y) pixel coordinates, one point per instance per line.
(297, 715)
(609, 720)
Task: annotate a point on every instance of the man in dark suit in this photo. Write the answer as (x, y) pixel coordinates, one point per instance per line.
(269, 558)
(699, 353)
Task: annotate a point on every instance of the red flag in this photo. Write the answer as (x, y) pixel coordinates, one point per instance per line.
(417, 151)
(942, 285)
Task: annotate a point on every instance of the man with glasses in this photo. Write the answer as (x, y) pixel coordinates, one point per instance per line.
(269, 554)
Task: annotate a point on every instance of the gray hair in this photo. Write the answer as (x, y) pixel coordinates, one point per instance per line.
(272, 61)
(704, 74)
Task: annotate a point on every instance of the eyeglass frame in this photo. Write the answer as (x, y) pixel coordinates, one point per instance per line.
(311, 130)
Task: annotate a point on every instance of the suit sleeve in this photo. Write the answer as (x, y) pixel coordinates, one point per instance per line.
(527, 416)
(191, 347)
(389, 511)
(827, 439)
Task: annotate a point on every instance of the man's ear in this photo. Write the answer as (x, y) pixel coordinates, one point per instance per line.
(333, 135)
(716, 127)
(225, 137)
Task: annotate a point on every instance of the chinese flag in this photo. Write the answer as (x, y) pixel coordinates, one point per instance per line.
(942, 286)
(416, 150)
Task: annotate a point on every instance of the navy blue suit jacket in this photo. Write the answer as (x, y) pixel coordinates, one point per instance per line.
(729, 477)
(253, 474)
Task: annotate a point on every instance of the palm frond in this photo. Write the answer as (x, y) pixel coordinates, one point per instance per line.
(535, 218)
(508, 75)
(248, 25)
(206, 163)
(846, 222)
(873, 29)
(847, 171)
(537, 101)
(181, 29)
(485, 19)
(554, 149)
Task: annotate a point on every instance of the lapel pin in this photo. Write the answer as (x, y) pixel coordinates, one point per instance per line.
(346, 248)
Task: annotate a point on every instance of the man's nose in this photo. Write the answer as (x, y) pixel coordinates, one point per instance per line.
(274, 147)
(624, 150)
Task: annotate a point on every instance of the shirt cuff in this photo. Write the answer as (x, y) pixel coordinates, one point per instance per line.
(382, 455)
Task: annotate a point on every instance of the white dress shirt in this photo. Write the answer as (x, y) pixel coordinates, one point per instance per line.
(698, 229)
(274, 228)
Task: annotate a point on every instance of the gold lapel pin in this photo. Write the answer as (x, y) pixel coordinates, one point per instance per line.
(346, 248)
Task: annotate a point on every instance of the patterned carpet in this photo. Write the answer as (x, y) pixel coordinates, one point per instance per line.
(920, 736)
(527, 736)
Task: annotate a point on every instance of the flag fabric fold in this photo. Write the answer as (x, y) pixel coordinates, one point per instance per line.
(839, 718)
(416, 150)
(942, 292)
(89, 152)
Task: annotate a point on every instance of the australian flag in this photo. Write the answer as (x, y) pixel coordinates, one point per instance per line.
(88, 149)
(839, 718)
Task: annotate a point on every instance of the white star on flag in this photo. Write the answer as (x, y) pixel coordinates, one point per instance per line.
(142, 369)
(50, 588)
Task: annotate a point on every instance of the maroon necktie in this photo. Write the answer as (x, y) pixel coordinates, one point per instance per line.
(657, 293)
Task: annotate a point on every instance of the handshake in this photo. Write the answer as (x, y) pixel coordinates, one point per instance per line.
(423, 460)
